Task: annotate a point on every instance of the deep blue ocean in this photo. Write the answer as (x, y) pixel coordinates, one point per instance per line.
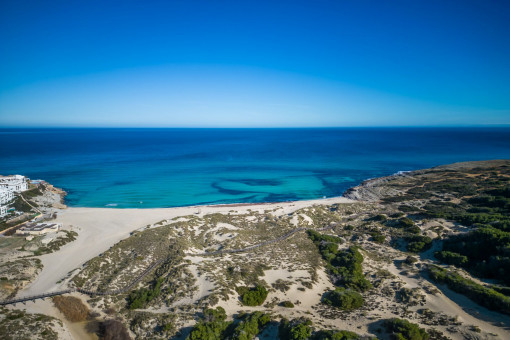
(145, 168)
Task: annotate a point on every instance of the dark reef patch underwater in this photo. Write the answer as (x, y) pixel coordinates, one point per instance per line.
(147, 168)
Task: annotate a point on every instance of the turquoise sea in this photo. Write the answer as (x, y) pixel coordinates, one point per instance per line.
(145, 168)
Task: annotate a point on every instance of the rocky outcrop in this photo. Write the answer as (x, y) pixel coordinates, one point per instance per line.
(373, 190)
(52, 198)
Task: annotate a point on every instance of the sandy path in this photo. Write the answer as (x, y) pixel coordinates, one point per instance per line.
(462, 307)
(100, 228)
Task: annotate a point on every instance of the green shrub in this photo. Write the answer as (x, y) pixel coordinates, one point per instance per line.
(345, 299)
(405, 222)
(335, 335)
(378, 237)
(318, 238)
(418, 243)
(216, 314)
(379, 218)
(297, 329)
(213, 325)
(287, 304)
(253, 296)
(250, 326)
(413, 230)
(411, 260)
(139, 298)
(484, 296)
(404, 330)
(347, 265)
(209, 330)
(449, 257)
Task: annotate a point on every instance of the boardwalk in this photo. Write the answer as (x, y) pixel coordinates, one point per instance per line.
(85, 291)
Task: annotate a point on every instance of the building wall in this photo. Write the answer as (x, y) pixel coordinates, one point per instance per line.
(16, 183)
(5, 196)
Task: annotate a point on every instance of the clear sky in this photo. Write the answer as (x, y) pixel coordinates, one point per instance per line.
(254, 63)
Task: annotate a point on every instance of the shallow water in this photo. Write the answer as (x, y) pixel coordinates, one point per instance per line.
(145, 168)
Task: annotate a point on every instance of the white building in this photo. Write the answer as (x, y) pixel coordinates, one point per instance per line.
(8, 186)
(16, 183)
(38, 228)
(3, 210)
(5, 196)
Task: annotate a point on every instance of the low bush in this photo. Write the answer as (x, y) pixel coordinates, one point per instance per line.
(335, 335)
(72, 307)
(404, 330)
(139, 298)
(405, 222)
(297, 329)
(113, 330)
(318, 237)
(411, 260)
(347, 265)
(378, 237)
(345, 299)
(418, 243)
(250, 325)
(253, 296)
(287, 304)
(212, 327)
(484, 296)
(450, 257)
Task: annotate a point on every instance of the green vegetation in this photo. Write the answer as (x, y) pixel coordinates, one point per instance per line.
(418, 243)
(484, 206)
(335, 335)
(377, 237)
(411, 260)
(451, 258)
(484, 251)
(287, 304)
(55, 245)
(345, 266)
(19, 204)
(320, 238)
(405, 222)
(250, 325)
(214, 326)
(345, 299)
(17, 324)
(297, 329)
(379, 218)
(301, 329)
(139, 298)
(484, 296)
(252, 296)
(404, 330)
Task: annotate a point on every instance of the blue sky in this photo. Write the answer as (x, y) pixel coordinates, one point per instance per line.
(254, 63)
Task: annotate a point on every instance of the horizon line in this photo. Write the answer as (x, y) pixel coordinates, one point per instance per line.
(507, 125)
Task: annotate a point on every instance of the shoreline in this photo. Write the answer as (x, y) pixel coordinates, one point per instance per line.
(212, 205)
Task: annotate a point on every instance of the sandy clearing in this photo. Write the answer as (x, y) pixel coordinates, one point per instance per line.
(69, 331)
(462, 307)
